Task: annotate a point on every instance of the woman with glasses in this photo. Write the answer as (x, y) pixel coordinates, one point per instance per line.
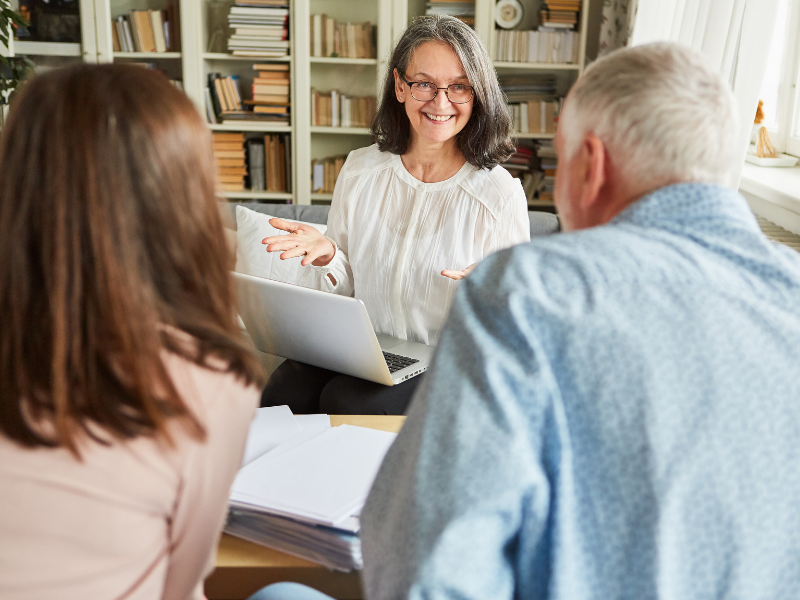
(413, 213)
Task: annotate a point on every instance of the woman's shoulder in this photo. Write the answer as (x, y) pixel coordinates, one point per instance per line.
(494, 188)
(367, 160)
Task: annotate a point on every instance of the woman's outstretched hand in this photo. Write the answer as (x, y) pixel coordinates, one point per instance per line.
(302, 240)
(459, 274)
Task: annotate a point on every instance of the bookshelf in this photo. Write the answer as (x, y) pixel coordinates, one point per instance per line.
(204, 31)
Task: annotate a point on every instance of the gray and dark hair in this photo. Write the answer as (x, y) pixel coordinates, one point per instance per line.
(486, 138)
(662, 111)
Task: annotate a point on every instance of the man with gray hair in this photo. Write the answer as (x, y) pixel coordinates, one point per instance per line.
(612, 412)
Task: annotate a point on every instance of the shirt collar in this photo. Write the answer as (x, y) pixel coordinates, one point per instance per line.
(695, 205)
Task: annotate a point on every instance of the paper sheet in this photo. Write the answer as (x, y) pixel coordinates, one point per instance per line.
(269, 428)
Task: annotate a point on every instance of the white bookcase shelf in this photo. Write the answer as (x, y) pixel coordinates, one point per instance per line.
(47, 49)
(341, 130)
(528, 66)
(205, 21)
(332, 60)
(250, 126)
(148, 55)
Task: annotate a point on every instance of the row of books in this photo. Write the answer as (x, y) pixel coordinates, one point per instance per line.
(535, 116)
(324, 172)
(345, 40)
(269, 163)
(546, 45)
(230, 157)
(259, 30)
(560, 13)
(334, 109)
(464, 11)
(269, 91)
(146, 31)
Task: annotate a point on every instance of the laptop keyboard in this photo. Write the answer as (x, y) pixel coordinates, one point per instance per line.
(395, 362)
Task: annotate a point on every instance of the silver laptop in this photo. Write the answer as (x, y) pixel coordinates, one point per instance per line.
(325, 330)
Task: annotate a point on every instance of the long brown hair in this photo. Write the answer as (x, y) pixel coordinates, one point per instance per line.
(486, 138)
(111, 245)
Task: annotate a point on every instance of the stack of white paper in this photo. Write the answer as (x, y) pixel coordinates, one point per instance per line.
(304, 490)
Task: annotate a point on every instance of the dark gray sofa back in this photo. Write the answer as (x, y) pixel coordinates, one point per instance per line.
(542, 223)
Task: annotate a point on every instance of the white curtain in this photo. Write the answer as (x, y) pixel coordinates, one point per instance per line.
(616, 24)
(734, 34)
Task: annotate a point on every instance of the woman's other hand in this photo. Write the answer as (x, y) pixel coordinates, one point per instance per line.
(302, 240)
(459, 274)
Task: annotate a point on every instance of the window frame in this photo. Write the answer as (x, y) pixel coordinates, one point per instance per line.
(784, 139)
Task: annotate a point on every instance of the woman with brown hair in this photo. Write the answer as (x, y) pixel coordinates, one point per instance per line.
(413, 213)
(126, 388)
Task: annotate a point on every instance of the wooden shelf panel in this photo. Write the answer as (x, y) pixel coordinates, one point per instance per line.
(319, 196)
(341, 130)
(147, 55)
(343, 61)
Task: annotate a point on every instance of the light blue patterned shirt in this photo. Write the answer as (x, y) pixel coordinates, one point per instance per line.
(611, 414)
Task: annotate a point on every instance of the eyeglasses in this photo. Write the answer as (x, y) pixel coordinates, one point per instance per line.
(425, 91)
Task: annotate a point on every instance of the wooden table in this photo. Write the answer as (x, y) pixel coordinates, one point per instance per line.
(243, 567)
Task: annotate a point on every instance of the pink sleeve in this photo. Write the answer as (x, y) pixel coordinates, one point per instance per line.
(207, 475)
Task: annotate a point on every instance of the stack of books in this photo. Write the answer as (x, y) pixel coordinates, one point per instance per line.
(146, 31)
(270, 101)
(463, 11)
(519, 161)
(282, 496)
(548, 163)
(334, 109)
(343, 40)
(260, 28)
(271, 92)
(546, 45)
(533, 102)
(560, 13)
(325, 172)
(229, 154)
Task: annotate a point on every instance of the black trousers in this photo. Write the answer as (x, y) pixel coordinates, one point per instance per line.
(309, 390)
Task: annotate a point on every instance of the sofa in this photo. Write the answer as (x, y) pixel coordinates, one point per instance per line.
(542, 223)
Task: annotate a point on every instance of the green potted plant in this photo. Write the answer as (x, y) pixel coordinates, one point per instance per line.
(12, 69)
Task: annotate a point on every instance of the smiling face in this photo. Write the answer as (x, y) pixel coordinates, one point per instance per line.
(438, 121)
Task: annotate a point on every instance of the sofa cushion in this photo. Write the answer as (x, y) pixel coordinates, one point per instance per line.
(252, 257)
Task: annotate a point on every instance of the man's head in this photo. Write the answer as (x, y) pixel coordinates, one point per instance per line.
(640, 119)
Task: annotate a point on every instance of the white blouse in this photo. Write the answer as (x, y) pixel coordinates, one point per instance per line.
(395, 234)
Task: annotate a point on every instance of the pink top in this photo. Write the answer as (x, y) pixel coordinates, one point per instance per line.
(133, 520)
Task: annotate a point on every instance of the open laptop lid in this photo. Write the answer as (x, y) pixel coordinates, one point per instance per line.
(318, 328)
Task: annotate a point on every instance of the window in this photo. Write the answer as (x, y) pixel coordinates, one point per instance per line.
(781, 78)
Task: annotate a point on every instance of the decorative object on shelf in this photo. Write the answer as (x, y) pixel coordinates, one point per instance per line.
(12, 69)
(508, 13)
(761, 151)
(260, 28)
(463, 11)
